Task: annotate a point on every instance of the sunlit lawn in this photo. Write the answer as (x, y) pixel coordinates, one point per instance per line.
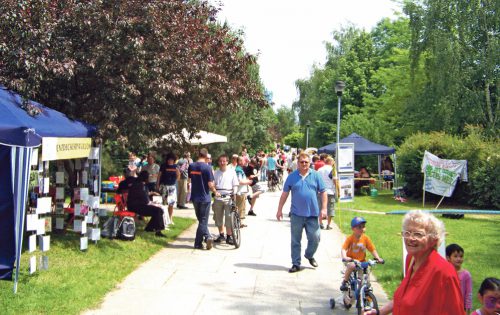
(478, 235)
(79, 280)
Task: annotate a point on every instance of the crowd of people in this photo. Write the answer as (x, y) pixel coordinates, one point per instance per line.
(432, 284)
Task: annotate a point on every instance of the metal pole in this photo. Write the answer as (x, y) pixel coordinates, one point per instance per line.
(307, 137)
(338, 134)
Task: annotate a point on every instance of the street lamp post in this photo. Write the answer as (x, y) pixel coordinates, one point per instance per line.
(308, 124)
(339, 88)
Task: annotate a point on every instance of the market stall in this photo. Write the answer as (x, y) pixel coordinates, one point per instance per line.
(23, 126)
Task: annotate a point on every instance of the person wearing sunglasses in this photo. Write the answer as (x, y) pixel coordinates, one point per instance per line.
(431, 284)
(305, 185)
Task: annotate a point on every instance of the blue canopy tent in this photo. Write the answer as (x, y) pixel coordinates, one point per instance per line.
(362, 146)
(19, 134)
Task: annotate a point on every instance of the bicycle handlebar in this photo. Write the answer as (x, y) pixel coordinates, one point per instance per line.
(364, 264)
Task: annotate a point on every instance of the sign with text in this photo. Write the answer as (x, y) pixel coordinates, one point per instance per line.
(345, 157)
(442, 175)
(346, 183)
(65, 148)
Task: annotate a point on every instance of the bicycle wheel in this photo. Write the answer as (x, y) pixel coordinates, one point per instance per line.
(235, 220)
(370, 302)
(279, 185)
(347, 299)
(270, 186)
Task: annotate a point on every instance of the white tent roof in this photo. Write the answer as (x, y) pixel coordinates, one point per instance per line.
(200, 138)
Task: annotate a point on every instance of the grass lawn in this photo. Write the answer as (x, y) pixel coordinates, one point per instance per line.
(478, 235)
(79, 280)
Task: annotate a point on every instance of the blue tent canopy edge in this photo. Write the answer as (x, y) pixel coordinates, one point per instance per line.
(362, 146)
(18, 128)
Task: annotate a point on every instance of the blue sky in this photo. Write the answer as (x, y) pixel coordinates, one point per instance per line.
(290, 35)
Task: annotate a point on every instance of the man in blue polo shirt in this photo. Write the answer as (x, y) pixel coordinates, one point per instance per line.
(202, 183)
(305, 184)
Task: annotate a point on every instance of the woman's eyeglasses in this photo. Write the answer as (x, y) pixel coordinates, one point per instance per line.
(414, 235)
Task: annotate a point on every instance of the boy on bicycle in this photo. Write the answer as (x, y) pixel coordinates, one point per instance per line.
(355, 247)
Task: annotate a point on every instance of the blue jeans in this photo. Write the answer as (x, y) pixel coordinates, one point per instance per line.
(311, 225)
(202, 210)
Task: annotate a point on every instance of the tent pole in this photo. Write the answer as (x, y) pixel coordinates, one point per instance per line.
(423, 192)
(379, 166)
(394, 157)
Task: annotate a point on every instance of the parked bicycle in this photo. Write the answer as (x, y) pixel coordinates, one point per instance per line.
(360, 290)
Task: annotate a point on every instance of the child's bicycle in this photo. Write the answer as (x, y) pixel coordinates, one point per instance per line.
(360, 289)
(235, 221)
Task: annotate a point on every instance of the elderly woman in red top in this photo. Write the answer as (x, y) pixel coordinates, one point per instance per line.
(431, 283)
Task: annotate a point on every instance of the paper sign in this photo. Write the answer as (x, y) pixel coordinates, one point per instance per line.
(48, 224)
(43, 205)
(96, 186)
(85, 177)
(78, 209)
(31, 222)
(45, 243)
(46, 183)
(32, 264)
(59, 177)
(95, 234)
(93, 202)
(40, 228)
(32, 243)
(89, 217)
(60, 193)
(84, 227)
(59, 207)
(76, 194)
(77, 225)
(44, 263)
(84, 194)
(84, 243)
(34, 157)
(59, 223)
(94, 153)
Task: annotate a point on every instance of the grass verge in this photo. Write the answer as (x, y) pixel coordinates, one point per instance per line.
(478, 235)
(78, 280)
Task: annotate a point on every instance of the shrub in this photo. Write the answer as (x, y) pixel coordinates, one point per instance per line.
(483, 163)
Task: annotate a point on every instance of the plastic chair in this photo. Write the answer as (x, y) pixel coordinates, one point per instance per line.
(120, 209)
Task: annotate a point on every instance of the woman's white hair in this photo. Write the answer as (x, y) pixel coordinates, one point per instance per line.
(432, 225)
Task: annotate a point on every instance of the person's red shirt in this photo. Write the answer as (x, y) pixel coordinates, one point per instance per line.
(319, 164)
(433, 289)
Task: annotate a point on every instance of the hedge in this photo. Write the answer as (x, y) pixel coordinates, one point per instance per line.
(483, 163)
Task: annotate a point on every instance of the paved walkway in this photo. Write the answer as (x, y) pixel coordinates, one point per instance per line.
(253, 279)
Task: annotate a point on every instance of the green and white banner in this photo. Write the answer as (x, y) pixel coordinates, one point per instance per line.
(440, 175)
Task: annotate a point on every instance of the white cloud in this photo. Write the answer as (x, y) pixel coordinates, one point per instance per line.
(290, 35)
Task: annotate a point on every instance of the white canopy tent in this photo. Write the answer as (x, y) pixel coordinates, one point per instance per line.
(200, 138)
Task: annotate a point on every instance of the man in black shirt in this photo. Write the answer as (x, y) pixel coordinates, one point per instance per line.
(252, 173)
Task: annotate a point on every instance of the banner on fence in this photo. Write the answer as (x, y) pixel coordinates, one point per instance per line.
(442, 175)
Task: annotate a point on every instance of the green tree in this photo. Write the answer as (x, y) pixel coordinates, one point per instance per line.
(285, 121)
(458, 42)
